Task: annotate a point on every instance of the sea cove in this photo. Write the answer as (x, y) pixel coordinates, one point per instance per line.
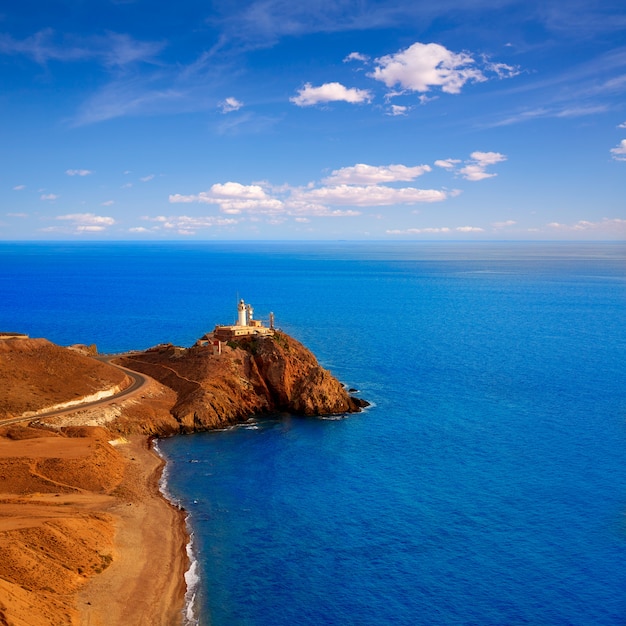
(485, 486)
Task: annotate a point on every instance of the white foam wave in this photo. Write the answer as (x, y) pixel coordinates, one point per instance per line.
(192, 578)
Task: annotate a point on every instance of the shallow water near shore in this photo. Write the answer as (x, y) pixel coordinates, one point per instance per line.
(487, 484)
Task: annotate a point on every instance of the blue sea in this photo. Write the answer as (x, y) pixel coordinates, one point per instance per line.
(486, 485)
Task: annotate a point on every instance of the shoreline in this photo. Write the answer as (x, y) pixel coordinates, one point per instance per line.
(191, 576)
(150, 545)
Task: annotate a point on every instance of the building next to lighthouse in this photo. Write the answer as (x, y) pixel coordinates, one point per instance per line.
(245, 326)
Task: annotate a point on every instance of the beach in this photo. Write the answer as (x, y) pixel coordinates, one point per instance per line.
(145, 583)
(86, 536)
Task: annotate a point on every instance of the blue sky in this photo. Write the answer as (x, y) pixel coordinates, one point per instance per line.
(273, 119)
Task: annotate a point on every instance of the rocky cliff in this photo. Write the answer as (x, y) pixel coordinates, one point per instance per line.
(253, 376)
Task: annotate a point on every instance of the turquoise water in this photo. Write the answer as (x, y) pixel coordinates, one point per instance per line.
(487, 484)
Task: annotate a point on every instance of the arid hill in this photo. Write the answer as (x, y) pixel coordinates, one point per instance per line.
(253, 376)
(35, 374)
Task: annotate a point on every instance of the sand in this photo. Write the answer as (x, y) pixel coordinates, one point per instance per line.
(145, 582)
(86, 538)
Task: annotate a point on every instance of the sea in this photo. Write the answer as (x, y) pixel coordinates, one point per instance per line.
(486, 483)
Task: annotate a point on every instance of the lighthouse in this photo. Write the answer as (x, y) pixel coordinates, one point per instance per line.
(241, 314)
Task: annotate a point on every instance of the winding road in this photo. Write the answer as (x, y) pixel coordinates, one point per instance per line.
(139, 381)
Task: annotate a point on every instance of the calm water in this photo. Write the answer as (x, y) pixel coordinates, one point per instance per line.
(486, 486)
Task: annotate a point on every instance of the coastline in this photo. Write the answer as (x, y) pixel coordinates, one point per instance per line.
(145, 583)
(191, 577)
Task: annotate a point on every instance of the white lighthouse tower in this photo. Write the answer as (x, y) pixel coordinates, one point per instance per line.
(241, 314)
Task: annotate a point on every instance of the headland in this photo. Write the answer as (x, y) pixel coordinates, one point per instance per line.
(85, 534)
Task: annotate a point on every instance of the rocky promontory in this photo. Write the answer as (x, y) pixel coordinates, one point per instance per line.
(84, 529)
(251, 376)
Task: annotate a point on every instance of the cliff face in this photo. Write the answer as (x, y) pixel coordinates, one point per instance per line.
(252, 376)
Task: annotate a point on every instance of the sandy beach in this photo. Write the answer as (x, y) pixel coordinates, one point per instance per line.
(85, 535)
(145, 582)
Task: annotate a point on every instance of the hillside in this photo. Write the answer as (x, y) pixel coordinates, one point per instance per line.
(36, 374)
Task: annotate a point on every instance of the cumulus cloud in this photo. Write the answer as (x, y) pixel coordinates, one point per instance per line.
(234, 198)
(423, 66)
(230, 104)
(619, 153)
(49, 196)
(78, 172)
(475, 168)
(622, 125)
(372, 195)
(362, 174)
(329, 92)
(341, 194)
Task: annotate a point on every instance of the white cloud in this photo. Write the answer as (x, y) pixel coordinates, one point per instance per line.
(469, 229)
(19, 187)
(234, 198)
(502, 70)
(396, 110)
(505, 224)
(419, 231)
(619, 153)
(329, 92)
(606, 225)
(422, 66)
(78, 172)
(373, 195)
(86, 221)
(356, 56)
(89, 228)
(49, 196)
(445, 230)
(184, 224)
(447, 164)
(17, 214)
(622, 125)
(107, 203)
(353, 187)
(230, 104)
(475, 169)
(145, 179)
(362, 174)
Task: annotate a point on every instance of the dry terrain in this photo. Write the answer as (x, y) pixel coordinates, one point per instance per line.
(85, 535)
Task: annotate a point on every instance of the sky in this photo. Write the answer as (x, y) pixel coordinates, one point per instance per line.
(282, 120)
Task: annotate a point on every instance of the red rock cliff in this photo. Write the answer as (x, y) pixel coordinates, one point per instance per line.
(252, 376)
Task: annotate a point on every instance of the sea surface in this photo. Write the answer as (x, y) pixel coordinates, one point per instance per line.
(486, 485)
